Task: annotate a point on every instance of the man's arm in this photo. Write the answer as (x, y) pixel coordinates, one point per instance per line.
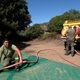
(18, 52)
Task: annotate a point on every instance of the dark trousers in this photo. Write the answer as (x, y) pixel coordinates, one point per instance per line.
(70, 46)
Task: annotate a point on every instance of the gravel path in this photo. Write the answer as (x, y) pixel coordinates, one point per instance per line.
(52, 50)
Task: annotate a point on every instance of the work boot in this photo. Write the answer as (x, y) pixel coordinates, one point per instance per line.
(72, 55)
(67, 52)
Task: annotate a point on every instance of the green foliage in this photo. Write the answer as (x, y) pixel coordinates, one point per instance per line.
(48, 35)
(34, 31)
(56, 23)
(14, 16)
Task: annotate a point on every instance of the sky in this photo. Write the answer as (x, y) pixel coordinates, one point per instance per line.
(44, 10)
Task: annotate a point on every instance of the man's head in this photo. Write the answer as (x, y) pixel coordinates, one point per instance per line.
(74, 27)
(79, 25)
(6, 43)
(69, 27)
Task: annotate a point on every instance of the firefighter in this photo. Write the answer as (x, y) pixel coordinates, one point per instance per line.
(70, 39)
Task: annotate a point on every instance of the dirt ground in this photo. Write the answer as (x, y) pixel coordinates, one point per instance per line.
(52, 49)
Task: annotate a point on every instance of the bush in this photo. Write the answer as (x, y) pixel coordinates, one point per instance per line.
(48, 35)
(33, 32)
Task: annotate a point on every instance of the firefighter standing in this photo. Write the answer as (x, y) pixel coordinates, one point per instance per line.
(70, 39)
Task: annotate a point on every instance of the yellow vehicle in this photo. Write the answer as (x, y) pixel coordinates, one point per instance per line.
(69, 23)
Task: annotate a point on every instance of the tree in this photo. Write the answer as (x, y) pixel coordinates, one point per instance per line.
(56, 23)
(14, 16)
(34, 31)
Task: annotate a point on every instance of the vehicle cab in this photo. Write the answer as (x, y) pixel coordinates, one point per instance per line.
(69, 23)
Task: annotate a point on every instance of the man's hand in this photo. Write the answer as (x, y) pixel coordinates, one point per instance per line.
(20, 61)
